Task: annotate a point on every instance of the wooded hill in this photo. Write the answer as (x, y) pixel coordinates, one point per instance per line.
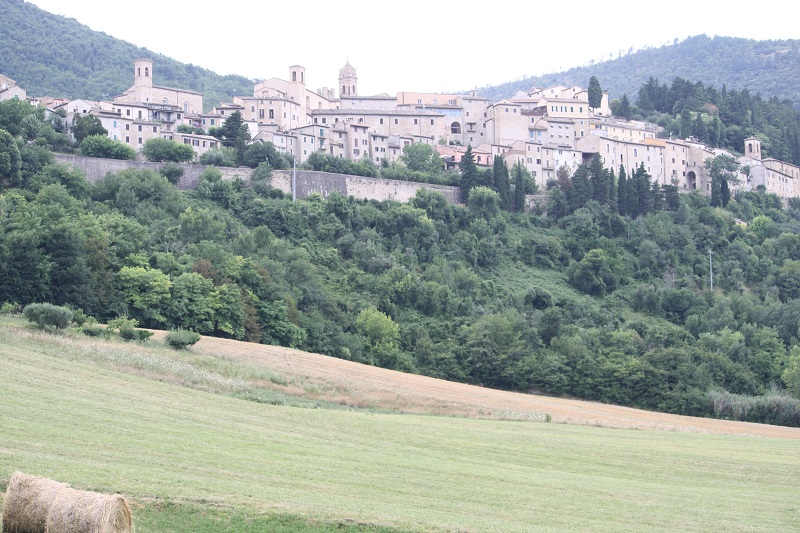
(607, 298)
(769, 68)
(50, 55)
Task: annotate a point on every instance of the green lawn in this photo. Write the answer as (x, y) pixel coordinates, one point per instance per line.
(200, 461)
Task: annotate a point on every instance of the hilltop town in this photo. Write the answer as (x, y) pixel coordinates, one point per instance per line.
(543, 129)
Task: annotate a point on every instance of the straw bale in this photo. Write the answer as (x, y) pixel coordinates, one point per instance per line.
(79, 511)
(27, 502)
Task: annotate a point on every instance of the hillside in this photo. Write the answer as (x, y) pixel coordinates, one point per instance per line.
(771, 68)
(50, 55)
(170, 431)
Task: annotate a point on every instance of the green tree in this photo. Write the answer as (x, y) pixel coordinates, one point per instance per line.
(259, 152)
(377, 327)
(484, 202)
(10, 161)
(235, 134)
(622, 192)
(469, 173)
(102, 146)
(192, 303)
(594, 274)
(722, 168)
(146, 292)
(165, 150)
(501, 182)
(791, 375)
(595, 93)
(519, 189)
(421, 157)
(87, 125)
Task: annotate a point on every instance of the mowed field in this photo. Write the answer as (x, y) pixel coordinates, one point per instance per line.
(235, 430)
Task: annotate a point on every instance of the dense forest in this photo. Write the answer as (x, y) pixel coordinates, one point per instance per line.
(50, 55)
(607, 297)
(769, 68)
(716, 117)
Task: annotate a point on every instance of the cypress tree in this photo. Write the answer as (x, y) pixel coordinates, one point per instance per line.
(599, 179)
(501, 182)
(469, 173)
(622, 192)
(725, 193)
(519, 189)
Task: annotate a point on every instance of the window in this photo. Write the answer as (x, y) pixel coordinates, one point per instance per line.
(140, 115)
(128, 112)
(252, 109)
(127, 139)
(155, 129)
(212, 121)
(395, 121)
(140, 127)
(271, 113)
(127, 127)
(261, 115)
(416, 122)
(324, 121)
(364, 142)
(186, 107)
(431, 122)
(381, 121)
(140, 140)
(419, 100)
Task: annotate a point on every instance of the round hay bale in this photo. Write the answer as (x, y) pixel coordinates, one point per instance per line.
(27, 502)
(80, 511)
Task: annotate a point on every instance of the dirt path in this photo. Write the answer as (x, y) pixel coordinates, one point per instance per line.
(336, 380)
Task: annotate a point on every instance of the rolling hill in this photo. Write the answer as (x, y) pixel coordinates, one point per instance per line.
(50, 55)
(172, 431)
(770, 68)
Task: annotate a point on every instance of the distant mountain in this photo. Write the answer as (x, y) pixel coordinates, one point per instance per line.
(770, 68)
(50, 55)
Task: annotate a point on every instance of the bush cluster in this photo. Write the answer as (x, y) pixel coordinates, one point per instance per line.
(48, 315)
(181, 339)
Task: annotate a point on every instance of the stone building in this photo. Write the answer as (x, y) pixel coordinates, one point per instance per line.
(143, 91)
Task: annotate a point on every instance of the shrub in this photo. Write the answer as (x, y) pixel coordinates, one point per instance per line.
(143, 335)
(92, 331)
(172, 171)
(128, 334)
(48, 315)
(10, 308)
(181, 339)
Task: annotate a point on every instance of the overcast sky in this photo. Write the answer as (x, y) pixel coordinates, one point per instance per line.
(413, 45)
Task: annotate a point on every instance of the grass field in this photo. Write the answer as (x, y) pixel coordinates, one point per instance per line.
(195, 458)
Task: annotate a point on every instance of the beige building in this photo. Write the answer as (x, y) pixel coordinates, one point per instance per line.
(199, 143)
(630, 155)
(9, 89)
(144, 92)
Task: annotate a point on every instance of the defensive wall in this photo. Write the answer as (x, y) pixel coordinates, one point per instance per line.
(307, 182)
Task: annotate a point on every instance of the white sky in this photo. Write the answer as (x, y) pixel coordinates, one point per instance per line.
(419, 46)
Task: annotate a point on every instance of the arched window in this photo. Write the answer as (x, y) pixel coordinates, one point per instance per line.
(354, 89)
(343, 90)
(455, 127)
(294, 76)
(146, 72)
(139, 72)
(750, 147)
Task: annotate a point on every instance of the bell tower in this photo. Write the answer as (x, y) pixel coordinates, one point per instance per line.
(348, 81)
(752, 148)
(143, 73)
